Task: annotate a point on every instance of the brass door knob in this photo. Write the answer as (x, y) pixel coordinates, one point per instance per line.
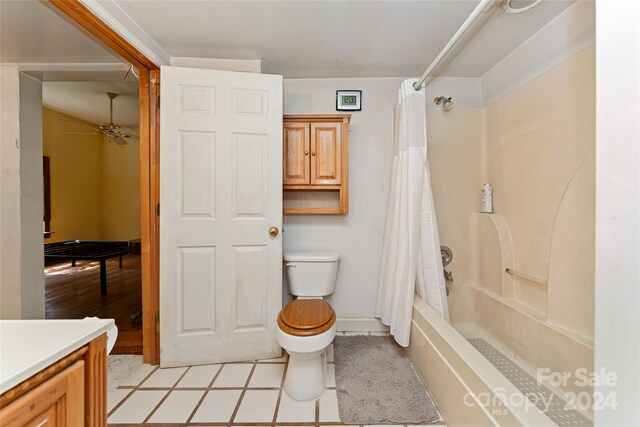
(273, 231)
(313, 153)
(306, 153)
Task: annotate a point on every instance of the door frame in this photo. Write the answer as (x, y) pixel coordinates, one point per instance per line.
(149, 95)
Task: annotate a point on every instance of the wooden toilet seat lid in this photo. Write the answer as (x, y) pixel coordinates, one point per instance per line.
(306, 317)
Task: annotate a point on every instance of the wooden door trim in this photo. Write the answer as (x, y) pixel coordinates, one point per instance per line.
(79, 13)
(149, 168)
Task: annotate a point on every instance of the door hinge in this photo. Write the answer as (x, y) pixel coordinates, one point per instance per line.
(158, 209)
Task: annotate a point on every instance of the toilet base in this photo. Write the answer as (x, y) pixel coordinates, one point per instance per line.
(305, 378)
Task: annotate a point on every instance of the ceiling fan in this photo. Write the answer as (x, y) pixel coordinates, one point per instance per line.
(115, 133)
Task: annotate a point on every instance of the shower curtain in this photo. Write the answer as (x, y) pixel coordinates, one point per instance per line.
(411, 259)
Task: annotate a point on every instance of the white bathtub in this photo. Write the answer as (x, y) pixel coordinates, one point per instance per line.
(466, 387)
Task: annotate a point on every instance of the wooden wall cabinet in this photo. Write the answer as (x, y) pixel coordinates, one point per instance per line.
(316, 164)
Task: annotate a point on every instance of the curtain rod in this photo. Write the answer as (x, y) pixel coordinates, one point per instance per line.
(456, 37)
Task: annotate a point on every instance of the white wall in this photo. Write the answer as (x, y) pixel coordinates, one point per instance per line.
(31, 198)
(358, 235)
(617, 323)
(21, 258)
(243, 65)
(10, 293)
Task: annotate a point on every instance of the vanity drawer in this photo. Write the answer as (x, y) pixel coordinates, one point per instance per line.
(59, 401)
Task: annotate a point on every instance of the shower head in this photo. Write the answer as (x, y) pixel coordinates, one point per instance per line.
(447, 103)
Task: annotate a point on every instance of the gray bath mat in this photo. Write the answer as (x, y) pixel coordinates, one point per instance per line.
(376, 383)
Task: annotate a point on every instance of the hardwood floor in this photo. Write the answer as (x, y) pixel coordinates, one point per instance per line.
(74, 293)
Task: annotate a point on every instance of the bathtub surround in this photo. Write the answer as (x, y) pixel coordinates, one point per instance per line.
(536, 147)
(377, 385)
(539, 159)
(410, 259)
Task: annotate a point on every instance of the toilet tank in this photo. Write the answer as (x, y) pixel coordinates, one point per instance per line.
(311, 274)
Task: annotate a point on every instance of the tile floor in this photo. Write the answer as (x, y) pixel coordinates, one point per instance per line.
(244, 394)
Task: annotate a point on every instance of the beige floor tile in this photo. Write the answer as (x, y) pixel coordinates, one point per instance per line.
(177, 407)
(137, 407)
(164, 378)
(330, 375)
(199, 376)
(115, 396)
(330, 357)
(329, 407)
(267, 375)
(233, 375)
(291, 411)
(136, 376)
(217, 406)
(281, 359)
(258, 406)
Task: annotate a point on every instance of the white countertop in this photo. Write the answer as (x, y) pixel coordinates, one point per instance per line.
(29, 346)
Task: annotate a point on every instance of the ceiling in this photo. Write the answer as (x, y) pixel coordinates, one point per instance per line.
(34, 32)
(88, 101)
(308, 39)
(297, 39)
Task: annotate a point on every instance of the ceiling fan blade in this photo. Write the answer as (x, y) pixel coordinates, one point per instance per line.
(79, 124)
(81, 133)
(134, 137)
(127, 129)
(120, 141)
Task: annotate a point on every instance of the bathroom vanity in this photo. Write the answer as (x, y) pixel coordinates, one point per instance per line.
(53, 372)
(316, 164)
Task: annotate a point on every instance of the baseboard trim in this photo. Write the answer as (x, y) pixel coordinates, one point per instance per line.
(360, 324)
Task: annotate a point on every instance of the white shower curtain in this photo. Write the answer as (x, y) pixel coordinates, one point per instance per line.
(411, 259)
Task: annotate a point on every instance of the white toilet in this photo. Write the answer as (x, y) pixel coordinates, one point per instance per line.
(306, 326)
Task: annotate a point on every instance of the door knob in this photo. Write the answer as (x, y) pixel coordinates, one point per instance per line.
(306, 153)
(313, 153)
(273, 231)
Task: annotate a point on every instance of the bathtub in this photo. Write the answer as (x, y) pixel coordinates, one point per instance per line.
(466, 387)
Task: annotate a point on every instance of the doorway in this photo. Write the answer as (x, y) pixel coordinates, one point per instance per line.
(60, 46)
(148, 92)
(92, 204)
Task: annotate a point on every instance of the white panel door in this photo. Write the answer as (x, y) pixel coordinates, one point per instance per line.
(220, 192)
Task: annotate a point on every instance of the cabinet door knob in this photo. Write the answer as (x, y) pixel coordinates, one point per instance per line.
(306, 153)
(313, 153)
